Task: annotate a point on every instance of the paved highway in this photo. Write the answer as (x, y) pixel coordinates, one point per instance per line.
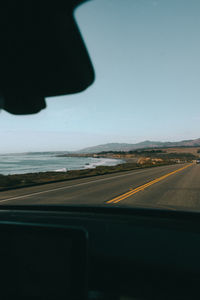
(172, 187)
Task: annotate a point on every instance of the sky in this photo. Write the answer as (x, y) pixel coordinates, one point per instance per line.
(146, 59)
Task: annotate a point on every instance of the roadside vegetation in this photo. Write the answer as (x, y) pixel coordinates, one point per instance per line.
(163, 154)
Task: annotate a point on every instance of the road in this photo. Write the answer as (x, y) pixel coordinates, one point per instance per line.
(172, 187)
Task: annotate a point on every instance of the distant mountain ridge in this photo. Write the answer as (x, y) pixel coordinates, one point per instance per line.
(141, 145)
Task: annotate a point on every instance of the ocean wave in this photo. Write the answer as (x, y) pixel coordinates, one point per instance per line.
(102, 162)
(61, 170)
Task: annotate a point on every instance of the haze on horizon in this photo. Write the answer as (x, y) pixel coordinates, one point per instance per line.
(146, 58)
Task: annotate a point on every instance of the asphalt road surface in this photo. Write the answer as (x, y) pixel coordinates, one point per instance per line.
(172, 187)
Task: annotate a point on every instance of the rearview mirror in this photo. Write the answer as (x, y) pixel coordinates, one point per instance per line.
(42, 54)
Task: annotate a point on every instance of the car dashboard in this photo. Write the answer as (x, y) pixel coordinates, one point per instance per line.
(97, 253)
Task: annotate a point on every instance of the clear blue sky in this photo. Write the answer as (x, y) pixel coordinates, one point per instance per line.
(146, 58)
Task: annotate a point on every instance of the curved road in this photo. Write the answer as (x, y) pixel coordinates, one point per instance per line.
(172, 187)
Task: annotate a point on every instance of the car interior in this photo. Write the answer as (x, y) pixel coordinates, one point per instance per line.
(80, 252)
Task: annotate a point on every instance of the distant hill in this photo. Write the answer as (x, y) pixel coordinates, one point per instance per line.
(141, 145)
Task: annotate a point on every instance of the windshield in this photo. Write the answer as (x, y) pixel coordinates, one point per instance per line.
(132, 138)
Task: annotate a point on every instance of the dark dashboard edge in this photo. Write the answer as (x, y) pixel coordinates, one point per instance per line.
(143, 212)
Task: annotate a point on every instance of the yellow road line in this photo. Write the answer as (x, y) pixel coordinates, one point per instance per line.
(144, 186)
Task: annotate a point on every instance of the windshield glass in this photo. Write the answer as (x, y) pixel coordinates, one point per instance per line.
(132, 138)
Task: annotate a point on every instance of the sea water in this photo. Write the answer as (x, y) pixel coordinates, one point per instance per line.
(34, 162)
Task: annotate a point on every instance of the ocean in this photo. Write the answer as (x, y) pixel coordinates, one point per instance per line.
(33, 162)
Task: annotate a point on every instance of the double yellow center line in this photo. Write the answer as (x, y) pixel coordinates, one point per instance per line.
(144, 186)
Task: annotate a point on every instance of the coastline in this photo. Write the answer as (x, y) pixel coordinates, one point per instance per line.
(90, 166)
(36, 163)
